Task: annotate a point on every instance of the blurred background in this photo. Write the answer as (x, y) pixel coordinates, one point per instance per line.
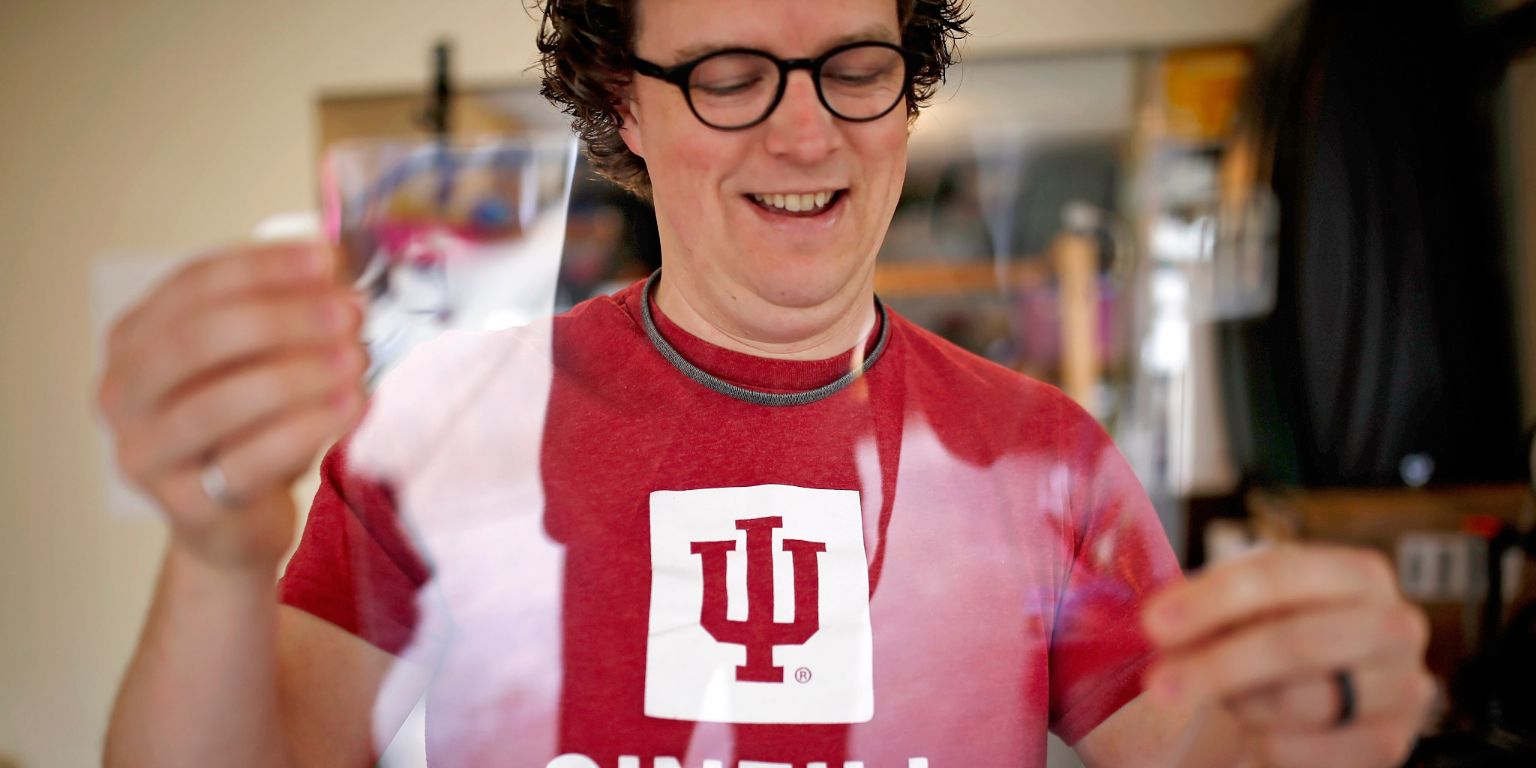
(1286, 252)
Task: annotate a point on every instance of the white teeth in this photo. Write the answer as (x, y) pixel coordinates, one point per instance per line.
(795, 203)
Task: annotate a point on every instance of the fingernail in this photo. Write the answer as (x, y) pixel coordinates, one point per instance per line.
(331, 315)
(343, 357)
(341, 400)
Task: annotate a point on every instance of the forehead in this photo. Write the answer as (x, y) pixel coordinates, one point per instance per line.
(679, 29)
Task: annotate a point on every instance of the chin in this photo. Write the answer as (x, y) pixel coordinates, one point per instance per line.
(802, 280)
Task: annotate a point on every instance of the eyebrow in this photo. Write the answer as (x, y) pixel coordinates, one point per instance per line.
(874, 32)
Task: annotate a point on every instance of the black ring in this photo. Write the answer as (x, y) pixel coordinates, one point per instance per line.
(1345, 683)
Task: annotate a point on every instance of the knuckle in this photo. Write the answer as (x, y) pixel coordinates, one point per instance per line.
(188, 424)
(269, 390)
(236, 329)
(1375, 567)
(1402, 625)
(1390, 745)
(1422, 691)
(1247, 662)
(185, 276)
(107, 395)
(1414, 624)
(1382, 743)
(1240, 587)
(1295, 639)
(259, 391)
(274, 386)
(187, 341)
(310, 375)
(274, 320)
(193, 279)
(117, 337)
(284, 322)
(1274, 572)
(132, 460)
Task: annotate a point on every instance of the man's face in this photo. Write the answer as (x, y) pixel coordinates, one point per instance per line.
(714, 190)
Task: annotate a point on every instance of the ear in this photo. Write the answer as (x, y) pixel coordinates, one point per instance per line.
(630, 129)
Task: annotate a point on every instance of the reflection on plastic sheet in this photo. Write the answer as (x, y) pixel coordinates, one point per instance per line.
(448, 235)
(627, 569)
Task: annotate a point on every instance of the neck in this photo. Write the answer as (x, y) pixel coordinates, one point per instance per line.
(743, 322)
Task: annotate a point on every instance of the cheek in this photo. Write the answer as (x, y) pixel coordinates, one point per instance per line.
(884, 154)
(689, 172)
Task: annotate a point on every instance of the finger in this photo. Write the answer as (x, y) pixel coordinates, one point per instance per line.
(251, 268)
(1398, 686)
(1367, 744)
(235, 332)
(268, 457)
(1274, 580)
(282, 451)
(1291, 646)
(195, 423)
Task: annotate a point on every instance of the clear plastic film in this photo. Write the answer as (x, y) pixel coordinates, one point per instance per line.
(580, 557)
(458, 234)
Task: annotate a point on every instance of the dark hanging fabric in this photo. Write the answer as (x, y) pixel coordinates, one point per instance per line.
(1392, 332)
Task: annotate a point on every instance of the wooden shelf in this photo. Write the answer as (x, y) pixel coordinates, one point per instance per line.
(1376, 518)
(938, 278)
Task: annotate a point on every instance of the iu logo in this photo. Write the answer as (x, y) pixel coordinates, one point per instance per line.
(759, 633)
(759, 607)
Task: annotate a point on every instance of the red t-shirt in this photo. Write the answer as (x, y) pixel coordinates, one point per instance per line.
(603, 559)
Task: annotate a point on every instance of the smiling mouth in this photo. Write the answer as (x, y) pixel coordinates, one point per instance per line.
(798, 204)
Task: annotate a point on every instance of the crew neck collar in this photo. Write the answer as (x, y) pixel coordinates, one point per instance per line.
(742, 369)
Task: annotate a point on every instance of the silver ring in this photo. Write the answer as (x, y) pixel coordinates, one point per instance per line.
(1344, 682)
(215, 484)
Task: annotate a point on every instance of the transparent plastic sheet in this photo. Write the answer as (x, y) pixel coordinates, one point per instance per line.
(1211, 256)
(947, 584)
(981, 552)
(450, 242)
(461, 234)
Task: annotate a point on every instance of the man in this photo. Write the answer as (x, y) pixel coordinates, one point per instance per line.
(960, 559)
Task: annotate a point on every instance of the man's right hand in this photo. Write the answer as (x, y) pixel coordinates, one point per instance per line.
(246, 361)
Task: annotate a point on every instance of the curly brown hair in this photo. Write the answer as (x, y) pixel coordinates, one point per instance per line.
(584, 49)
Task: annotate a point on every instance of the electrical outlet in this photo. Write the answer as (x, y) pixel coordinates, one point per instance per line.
(1441, 566)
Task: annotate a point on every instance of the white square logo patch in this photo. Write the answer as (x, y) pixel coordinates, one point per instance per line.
(759, 607)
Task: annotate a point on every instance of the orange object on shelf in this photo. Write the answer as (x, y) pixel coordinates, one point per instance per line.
(1201, 89)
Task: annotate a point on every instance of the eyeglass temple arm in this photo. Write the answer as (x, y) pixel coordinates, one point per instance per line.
(677, 75)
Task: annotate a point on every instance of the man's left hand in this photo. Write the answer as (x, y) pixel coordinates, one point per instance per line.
(1312, 649)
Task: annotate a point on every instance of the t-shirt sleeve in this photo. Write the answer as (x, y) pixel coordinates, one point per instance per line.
(353, 567)
(1119, 556)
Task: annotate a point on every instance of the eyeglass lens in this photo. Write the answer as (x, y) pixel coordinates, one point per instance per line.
(731, 90)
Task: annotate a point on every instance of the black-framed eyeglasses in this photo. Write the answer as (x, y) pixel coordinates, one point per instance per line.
(738, 88)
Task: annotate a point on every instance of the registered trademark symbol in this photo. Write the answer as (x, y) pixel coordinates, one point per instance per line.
(803, 675)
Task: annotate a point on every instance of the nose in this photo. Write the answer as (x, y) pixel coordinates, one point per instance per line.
(800, 128)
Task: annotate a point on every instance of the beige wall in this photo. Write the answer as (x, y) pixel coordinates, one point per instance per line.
(159, 124)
